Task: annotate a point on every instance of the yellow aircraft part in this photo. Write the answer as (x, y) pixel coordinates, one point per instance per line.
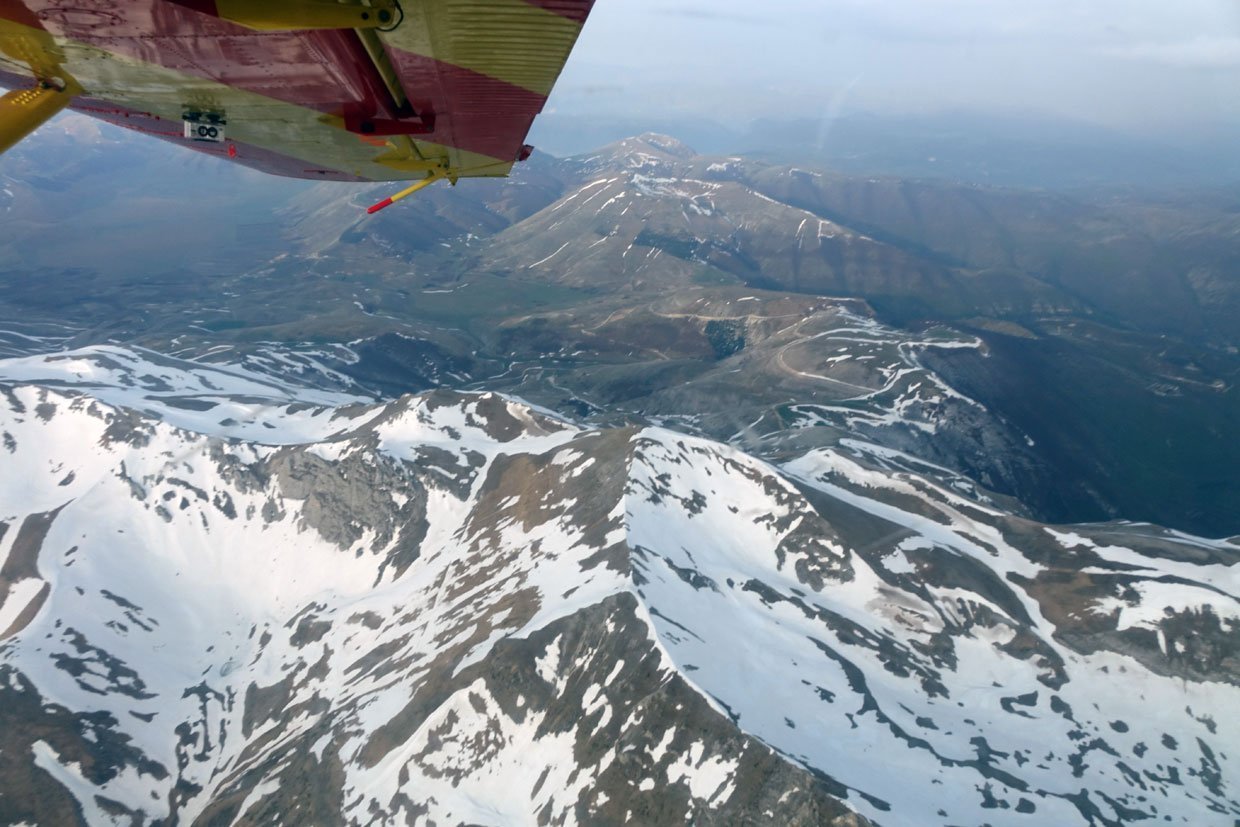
(509, 40)
(383, 65)
(22, 111)
(408, 164)
(320, 141)
(408, 191)
(291, 15)
(466, 60)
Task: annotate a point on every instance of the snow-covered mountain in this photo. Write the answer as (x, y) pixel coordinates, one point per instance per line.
(225, 600)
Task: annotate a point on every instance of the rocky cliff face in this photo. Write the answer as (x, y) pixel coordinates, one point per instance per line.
(220, 605)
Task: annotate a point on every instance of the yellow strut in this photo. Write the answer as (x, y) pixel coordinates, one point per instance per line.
(405, 193)
(453, 174)
(22, 111)
(292, 15)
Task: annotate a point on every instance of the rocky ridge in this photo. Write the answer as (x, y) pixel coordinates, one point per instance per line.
(220, 603)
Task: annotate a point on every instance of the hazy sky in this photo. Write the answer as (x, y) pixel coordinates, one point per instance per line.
(1161, 65)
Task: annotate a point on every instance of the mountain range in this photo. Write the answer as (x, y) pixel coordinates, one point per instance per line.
(227, 599)
(1104, 349)
(647, 487)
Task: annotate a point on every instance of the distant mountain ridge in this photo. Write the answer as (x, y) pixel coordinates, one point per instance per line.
(1105, 364)
(1019, 152)
(915, 249)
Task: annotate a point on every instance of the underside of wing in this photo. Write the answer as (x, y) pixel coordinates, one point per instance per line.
(402, 90)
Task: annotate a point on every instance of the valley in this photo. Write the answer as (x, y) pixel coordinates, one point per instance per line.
(646, 281)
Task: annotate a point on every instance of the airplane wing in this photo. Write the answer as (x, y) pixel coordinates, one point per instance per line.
(349, 90)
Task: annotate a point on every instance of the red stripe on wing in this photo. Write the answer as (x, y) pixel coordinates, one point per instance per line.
(322, 70)
(575, 10)
(473, 112)
(327, 71)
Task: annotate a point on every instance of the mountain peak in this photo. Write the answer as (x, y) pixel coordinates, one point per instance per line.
(668, 144)
(653, 143)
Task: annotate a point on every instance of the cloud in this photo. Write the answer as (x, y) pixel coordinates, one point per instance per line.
(714, 15)
(1051, 23)
(1197, 53)
(1137, 63)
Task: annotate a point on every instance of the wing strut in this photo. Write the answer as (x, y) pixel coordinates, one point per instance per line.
(294, 15)
(423, 184)
(436, 172)
(22, 111)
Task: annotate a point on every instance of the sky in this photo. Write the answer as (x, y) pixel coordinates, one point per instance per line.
(1140, 66)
